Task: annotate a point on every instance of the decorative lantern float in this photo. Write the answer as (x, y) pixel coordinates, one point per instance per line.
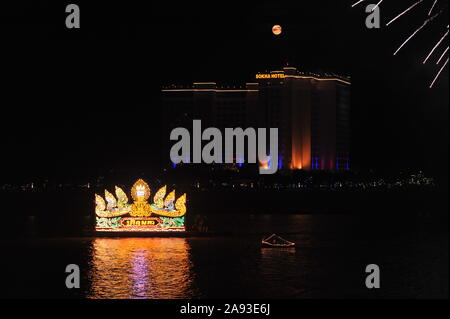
(117, 215)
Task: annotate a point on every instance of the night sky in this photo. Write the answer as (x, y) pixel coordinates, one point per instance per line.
(77, 103)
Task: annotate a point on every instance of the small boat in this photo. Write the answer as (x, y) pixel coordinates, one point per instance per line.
(275, 241)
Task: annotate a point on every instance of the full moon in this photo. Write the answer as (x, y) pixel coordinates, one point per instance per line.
(276, 29)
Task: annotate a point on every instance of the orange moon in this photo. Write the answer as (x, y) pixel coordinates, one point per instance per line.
(276, 29)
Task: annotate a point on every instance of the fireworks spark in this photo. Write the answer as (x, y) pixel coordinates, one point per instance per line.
(427, 19)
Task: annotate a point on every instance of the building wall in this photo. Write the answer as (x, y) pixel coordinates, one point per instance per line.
(325, 124)
(178, 111)
(343, 127)
(300, 91)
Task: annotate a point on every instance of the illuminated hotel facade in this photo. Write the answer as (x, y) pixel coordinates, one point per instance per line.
(311, 112)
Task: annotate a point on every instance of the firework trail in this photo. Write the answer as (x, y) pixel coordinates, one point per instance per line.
(410, 37)
(376, 6)
(417, 30)
(439, 73)
(429, 18)
(432, 7)
(442, 55)
(434, 48)
(404, 12)
(356, 3)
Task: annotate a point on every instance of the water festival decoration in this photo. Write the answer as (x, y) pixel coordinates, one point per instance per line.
(116, 214)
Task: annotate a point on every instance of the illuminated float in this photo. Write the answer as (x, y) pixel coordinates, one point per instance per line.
(117, 215)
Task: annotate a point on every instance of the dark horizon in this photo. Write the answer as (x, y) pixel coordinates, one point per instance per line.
(78, 102)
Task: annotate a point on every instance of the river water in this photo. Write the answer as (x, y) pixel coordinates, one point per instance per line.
(329, 260)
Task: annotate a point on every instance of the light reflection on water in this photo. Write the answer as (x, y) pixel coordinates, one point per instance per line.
(331, 254)
(329, 260)
(140, 268)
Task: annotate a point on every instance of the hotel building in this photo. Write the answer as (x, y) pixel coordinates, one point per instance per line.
(311, 112)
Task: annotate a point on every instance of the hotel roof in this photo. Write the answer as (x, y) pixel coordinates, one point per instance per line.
(287, 72)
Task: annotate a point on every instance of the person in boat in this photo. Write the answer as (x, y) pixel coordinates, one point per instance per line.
(200, 224)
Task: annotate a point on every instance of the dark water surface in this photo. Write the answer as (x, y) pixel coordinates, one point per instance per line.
(329, 261)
